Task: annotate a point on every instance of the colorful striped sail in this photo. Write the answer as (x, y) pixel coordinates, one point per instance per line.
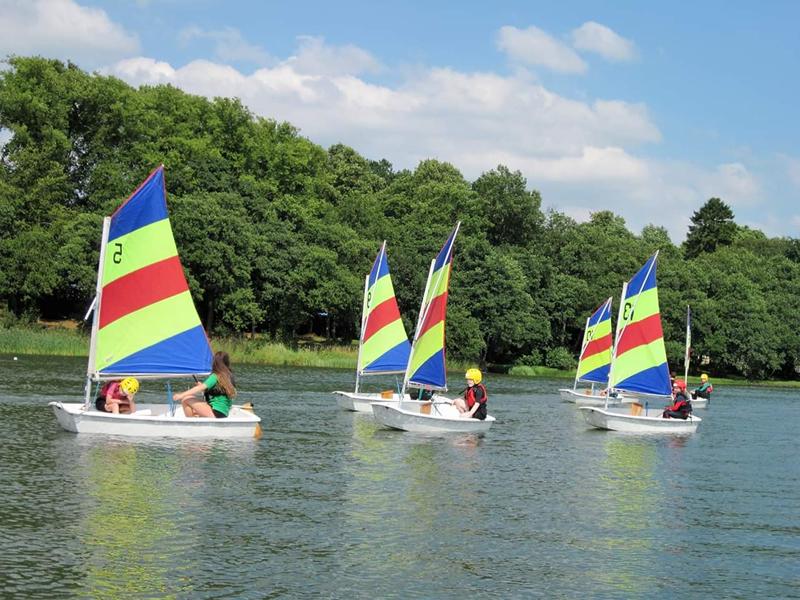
(595, 359)
(640, 361)
(146, 322)
(384, 343)
(426, 366)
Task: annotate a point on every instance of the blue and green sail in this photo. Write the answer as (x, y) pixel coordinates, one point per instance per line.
(146, 322)
(426, 367)
(384, 343)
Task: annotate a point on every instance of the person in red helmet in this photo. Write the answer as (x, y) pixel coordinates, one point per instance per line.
(681, 407)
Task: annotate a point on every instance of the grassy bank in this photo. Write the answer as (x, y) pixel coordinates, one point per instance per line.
(63, 341)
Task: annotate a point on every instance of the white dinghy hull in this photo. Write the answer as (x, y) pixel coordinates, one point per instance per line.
(443, 418)
(586, 398)
(648, 421)
(362, 401)
(153, 420)
(700, 403)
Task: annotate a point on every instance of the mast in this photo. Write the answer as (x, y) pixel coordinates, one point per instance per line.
(687, 357)
(361, 333)
(583, 349)
(416, 331)
(96, 315)
(616, 340)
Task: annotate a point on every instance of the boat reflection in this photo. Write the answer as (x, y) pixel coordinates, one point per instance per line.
(629, 505)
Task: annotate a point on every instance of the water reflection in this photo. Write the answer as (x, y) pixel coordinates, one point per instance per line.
(631, 503)
(129, 522)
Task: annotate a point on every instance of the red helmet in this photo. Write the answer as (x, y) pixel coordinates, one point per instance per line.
(681, 384)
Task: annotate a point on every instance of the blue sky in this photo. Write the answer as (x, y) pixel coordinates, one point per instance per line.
(646, 110)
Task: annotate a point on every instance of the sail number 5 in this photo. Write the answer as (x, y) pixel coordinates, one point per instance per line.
(117, 256)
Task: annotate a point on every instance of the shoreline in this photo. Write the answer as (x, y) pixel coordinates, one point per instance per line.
(58, 341)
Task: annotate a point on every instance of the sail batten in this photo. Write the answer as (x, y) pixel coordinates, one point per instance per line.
(639, 361)
(146, 321)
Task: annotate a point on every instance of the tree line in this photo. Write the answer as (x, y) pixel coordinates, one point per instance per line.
(277, 233)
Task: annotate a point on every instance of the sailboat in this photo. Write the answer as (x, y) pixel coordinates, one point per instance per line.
(383, 346)
(594, 361)
(639, 363)
(696, 402)
(426, 365)
(145, 325)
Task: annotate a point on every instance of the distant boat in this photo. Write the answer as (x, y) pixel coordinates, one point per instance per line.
(639, 363)
(594, 362)
(145, 325)
(383, 346)
(426, 365)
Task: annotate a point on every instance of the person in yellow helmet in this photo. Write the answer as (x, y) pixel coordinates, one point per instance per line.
(117, 396)
(472, 402)
(705, 389)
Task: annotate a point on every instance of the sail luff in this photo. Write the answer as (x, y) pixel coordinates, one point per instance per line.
(91, 370)
(361, 331)
(687, 355)
(417, 329)
(583, 349)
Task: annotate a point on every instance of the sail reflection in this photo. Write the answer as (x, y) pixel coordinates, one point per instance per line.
(627, 515)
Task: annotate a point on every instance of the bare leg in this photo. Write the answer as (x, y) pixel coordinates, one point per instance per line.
(112, 406)
(461, 405)
(194, 407)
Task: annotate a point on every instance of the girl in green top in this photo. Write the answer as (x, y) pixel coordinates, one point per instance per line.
(218, 391)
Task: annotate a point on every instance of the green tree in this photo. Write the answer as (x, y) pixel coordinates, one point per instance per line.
(712, 226)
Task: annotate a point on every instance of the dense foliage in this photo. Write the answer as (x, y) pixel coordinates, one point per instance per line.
(277, 233)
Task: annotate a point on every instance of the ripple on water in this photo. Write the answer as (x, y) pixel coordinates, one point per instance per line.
(328, 504)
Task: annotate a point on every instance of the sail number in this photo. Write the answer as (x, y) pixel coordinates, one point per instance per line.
(117, 256)
(627, 314)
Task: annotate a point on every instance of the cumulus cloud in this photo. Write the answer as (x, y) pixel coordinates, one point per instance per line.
(229, 45)
(533, 46)
(62, 29)
(316, 57)
(582, 155)
(594, 37)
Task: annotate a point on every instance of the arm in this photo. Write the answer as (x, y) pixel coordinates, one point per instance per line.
(197, 390)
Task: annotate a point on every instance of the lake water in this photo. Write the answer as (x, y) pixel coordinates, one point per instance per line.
(329, 505)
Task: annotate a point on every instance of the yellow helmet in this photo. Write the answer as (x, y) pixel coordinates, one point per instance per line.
(473, 374)
(704, 377)
(129, 385)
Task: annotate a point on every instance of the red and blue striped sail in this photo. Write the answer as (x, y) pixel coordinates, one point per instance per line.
(595, 359)
(384, 343)
(640, 359)
(146, 323)
(426, 367)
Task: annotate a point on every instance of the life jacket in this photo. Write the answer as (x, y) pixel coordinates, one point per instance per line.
(118, 394)
(217, 390)
(681, 404)
(469, 396)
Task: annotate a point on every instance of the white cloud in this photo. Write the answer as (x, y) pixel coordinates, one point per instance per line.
(229, 45)
(316, 57)
(583, 156)
(62, 29)
(534, 46)
(594, 37)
